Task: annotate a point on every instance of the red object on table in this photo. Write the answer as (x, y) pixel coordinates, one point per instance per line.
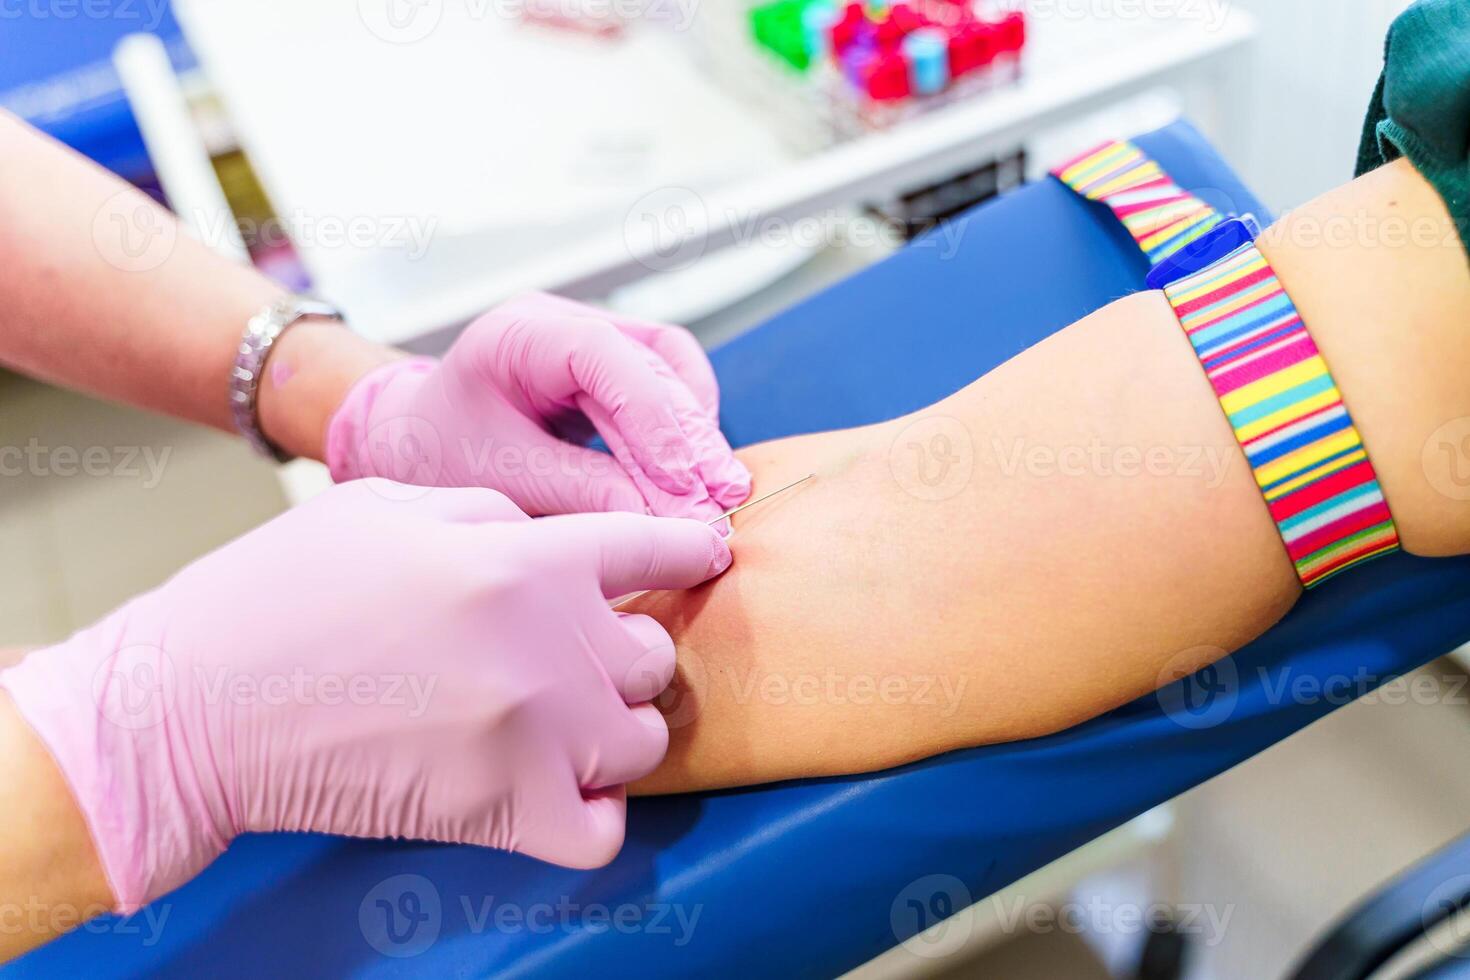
(900, 22)
(887, 77)
(971, 46)
(869, 46)
(1012, 32)
(845, 31)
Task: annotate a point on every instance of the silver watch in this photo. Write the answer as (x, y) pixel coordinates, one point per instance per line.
(261, 332)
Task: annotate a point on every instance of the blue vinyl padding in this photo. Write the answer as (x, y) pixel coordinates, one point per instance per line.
(810, 878)
(56, 72)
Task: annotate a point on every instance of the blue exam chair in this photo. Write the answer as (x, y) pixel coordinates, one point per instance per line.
(56, 73)
(811, 878)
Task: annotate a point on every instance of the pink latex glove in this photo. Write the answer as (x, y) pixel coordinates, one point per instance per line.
(513, 403)
(441, 668)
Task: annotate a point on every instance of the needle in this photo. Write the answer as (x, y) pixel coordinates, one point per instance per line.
(620, 602)
(764, 496)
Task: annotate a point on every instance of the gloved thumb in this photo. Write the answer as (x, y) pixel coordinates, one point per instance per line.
(605, 824)
(635, 552)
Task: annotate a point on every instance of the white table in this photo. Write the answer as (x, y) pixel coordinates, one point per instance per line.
(339, 122)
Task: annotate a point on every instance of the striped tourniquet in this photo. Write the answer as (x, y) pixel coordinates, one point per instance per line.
(1287, 414)
(1272, 382)
(1161, 216)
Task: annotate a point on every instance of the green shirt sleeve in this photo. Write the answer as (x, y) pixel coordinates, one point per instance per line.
(1421, 107)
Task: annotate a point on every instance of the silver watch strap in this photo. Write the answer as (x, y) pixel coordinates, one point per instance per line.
(261, 333)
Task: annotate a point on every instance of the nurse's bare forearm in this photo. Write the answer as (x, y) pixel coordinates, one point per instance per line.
(50, 878)
(102, 292)
(1088, 532)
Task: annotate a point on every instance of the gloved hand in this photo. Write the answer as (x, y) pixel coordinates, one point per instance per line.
(442, 668)
(513, 403)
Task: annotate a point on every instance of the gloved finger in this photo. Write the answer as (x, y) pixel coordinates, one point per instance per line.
(586, 831)
(695, 502)
(724, 477)
(471, 505)
(565, 362)
(641, 742)
(675, 345)
(679, 349)
(634, 552)
(636, 412)
(605, 823)
(638, 655)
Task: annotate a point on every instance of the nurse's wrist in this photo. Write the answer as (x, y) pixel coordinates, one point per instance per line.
(48, 853)
(311, 368)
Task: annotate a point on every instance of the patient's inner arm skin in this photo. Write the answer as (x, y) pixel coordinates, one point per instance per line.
(1096, 533)
(866, 623)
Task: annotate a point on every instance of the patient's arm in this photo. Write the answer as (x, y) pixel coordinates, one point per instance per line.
(1097, 532)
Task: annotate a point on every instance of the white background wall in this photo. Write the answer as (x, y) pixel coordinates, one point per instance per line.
(1314, 68)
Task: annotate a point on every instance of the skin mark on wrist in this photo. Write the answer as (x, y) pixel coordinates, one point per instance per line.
(311, 368)
(282, 372)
